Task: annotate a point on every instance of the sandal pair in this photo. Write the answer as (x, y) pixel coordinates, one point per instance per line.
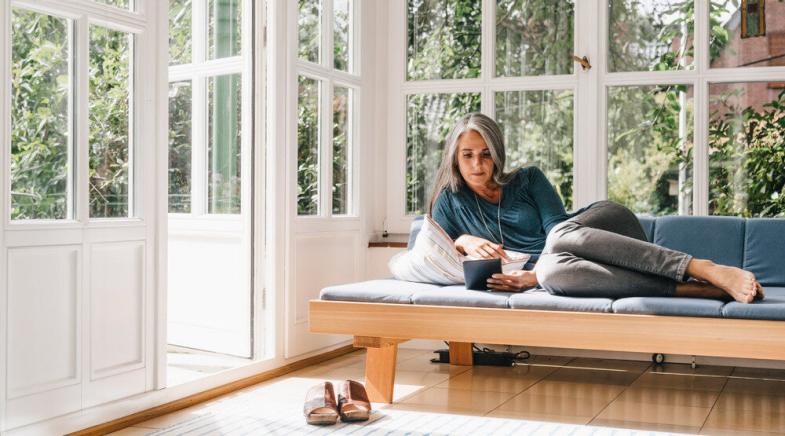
(321, 408)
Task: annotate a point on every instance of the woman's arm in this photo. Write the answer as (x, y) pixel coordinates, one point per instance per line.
(479, 247)
(547, 199)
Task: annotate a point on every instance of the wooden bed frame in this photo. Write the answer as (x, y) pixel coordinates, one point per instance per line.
(380, 327)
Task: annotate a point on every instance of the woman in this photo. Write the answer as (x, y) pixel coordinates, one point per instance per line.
(599, 251)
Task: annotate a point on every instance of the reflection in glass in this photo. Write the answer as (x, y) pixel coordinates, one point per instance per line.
(109, 121)
(343, 36)
(534, 37)
(309, 30)
(537, 129)
(650, 35)
(443, 39)
(179, 32)
(224, 29)
(429, 119)
(308, 146)
(119, 3)
(650, 131)
(341, 150)
(224, 106)
(41, 84)
(180, 147)
(746, 149)
(763, 46)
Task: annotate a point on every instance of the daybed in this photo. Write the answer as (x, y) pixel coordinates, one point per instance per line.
(382, 313)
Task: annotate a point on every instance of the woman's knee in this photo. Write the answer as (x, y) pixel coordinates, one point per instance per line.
(555, 241)
(552, 272)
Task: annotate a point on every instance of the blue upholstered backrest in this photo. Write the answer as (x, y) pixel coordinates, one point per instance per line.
(756, 244)
(718, 238)
(764, 250)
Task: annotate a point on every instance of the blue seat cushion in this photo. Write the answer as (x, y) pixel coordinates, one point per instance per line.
(458, 295)
(771, 308)
(674, 306)
(540, 299)
(764, 250)
(376, 291)
(718, 238)
(647, 222)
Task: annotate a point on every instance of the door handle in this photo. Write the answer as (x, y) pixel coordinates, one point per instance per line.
(584, 61)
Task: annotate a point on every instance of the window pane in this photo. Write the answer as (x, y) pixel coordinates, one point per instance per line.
(747, 37)
(537, 128)
(534, 37)
(746, 149)
(109, 103)
(343, 36)
(429, 118)
(223, 147)
(309, 30)
(650, 131)
(180, 147)
(224, 29)
(443, 39)
(179, 32)
(650, 35)
(308, 146)
(119, 3)
(341, 150)
(41, 84)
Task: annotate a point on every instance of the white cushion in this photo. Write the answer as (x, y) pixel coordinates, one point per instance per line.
(434, 258)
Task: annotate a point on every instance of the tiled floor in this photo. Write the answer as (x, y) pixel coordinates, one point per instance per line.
(612, 393)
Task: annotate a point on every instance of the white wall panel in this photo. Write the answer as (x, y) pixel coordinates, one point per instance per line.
(43, 370)
(116, 308)
(318, 260)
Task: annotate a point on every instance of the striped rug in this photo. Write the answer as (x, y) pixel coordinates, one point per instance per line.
(382, 422)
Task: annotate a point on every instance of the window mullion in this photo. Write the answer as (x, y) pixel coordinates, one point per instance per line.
(327, 35)
(82, 120)
(488, 40)
(325, 149)
(700, 155)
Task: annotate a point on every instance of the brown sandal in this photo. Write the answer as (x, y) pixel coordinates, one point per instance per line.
(320, 407)
(353, 402)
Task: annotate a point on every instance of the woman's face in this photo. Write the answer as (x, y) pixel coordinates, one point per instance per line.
(474, 160)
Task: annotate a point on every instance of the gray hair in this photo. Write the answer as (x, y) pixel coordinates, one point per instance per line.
(448, 174)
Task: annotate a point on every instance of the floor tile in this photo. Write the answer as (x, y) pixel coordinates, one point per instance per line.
(631, 411)
(650, 426)
(609, 364)
(764, 373)
(458, 399)
(528, 403)
(669, 396)
(687, 369)
(423, 364)
(677, 381)
(596, 376)
(755, 386)
(497, 379)
(751, 401)
(600, 392)
(745, 420)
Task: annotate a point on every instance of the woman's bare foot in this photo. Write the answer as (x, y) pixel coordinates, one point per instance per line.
(759, 295)
(696, 289)
(739, 284)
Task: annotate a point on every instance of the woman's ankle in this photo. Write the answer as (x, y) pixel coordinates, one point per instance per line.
(700, 269)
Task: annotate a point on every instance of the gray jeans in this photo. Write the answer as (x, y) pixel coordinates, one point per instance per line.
(603, 252)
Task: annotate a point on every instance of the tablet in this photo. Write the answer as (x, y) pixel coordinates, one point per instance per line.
(477, 272)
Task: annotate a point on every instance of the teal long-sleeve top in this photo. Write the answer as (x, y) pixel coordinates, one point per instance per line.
(530, 208)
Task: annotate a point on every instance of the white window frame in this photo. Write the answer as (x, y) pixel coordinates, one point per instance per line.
(83, 14)
(198, 72)
(590, 147)
(328, 77)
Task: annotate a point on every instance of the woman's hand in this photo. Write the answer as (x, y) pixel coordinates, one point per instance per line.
(479, 247)
(515, 281)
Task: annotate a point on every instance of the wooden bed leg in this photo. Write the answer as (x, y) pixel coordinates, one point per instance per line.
(461, 353)
(379, 366)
